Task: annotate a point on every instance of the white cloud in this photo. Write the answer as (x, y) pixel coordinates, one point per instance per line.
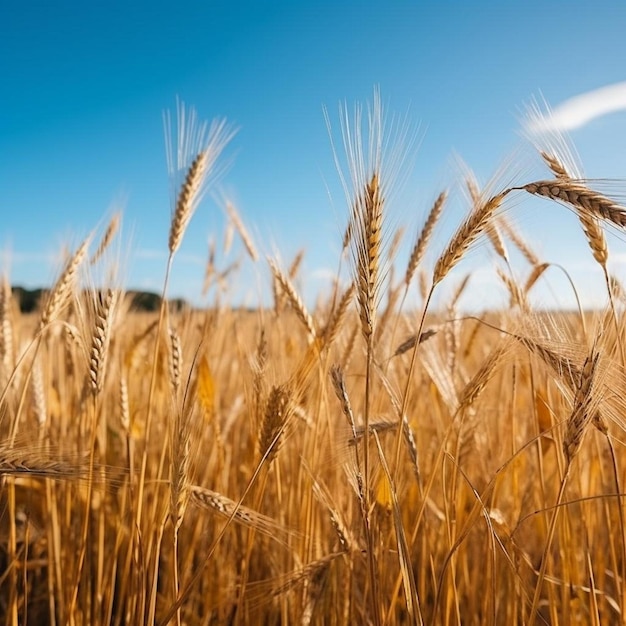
(582, 109)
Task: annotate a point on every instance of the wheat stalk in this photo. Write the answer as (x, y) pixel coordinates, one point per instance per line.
(209, 270)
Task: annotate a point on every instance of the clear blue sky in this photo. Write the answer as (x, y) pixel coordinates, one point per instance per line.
(83, 87)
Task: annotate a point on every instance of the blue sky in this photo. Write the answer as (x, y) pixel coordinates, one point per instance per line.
(84, 87)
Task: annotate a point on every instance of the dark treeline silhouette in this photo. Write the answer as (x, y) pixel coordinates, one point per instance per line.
(29, 300)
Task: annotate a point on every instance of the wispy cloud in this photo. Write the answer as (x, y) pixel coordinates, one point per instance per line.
(582, 109)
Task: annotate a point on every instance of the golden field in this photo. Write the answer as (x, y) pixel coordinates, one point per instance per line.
(359, 462)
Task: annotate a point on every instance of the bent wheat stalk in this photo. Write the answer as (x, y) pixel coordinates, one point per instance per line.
(585, 402)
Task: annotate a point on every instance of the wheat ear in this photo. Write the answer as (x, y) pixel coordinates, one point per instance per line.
(176, 359)
(180, 464)
(225, 507)
(590, 224)
(582, 414)
(333, 326)
(497, 242)
(287, 288)
(197, 152)
(424, 237)
(6, 327)
(188, 198)
(243, 232)
(101, 338)
(519, 242)
(580, 198)
(469, 231)
(107, 238)
(367, 217)
(278, 410)
(64, 287)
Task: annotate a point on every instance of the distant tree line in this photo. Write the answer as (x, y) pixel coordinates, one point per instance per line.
(29, 300)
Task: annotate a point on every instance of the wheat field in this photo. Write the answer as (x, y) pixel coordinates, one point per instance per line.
(363, 461)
